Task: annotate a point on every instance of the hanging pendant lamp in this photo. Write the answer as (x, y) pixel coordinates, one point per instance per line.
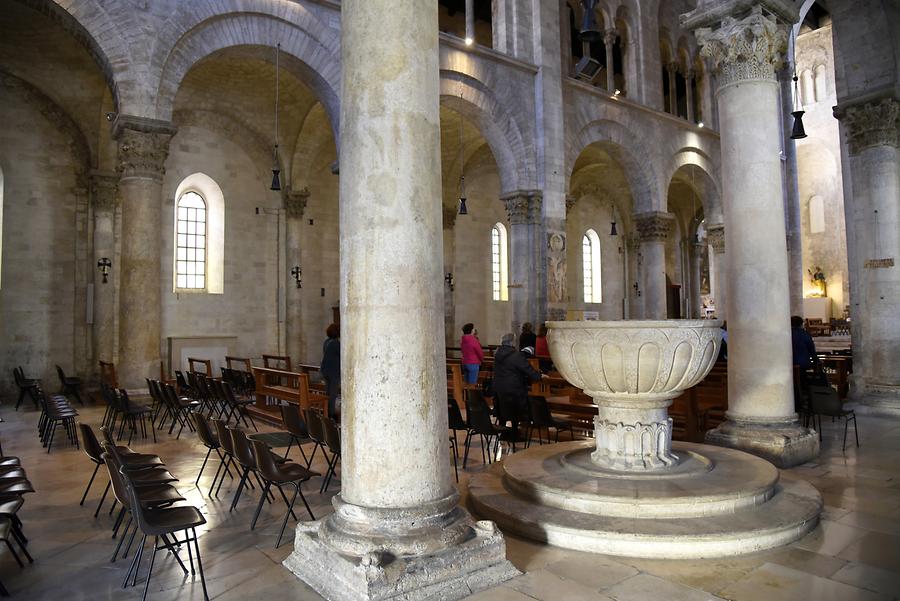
(276, 169)
(798, 132)
(589, 31)
(463, 210)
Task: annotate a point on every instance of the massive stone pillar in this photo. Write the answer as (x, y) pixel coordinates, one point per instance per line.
(746, 49)
(104, 199)
(872, 132)
(294, 207)
(143, 148)
(523, 208)
(397, 530)
(718, 278)
(697, 250)
(654, 229)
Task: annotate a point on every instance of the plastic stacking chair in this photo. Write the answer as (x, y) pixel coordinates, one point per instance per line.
(27, 386)
(480, 424)
(227, 447)
(281, 474)
(313, 421)
(296, 427)
(162, 523)
(70, 385)
(211, 441)
(243, 454)
(824, 400)
(333, 441)
(541, 418)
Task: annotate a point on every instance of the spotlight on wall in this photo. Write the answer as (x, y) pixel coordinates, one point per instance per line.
(296, 272)
(449, 279)
(104, 266)
(700, 125)
(469, 41)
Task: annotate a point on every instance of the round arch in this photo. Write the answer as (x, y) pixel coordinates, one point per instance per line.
(475, 101)
(622, 145)
(100, 37)
(311, 61)
(711, 192)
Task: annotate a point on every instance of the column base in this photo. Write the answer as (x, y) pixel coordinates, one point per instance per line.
(443, 571)
(784, 444)
(876, 399)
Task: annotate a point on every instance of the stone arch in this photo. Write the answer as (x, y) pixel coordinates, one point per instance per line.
(88, 22)
(257, 147)
(712, 200)
(308, 143)
(475, 101)
(624, 146)
(314, 62)
(78, 144)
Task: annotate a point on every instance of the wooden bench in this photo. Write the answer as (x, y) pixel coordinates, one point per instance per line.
(108, 374)
(206, 364)
(282, 362)
(233, 362)
(288, 386)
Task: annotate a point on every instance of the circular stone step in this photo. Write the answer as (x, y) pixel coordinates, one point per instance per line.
(707, 481)
(791, 509)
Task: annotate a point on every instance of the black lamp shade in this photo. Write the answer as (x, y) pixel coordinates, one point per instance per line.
(462, 206)
(589, 32)
(612, 229)
(276, 180)
(798, 132)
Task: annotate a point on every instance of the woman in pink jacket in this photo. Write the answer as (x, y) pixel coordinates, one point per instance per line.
(472, 355)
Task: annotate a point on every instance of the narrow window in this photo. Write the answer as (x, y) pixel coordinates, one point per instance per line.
(190, 242)
(590, 252)
(499, 263)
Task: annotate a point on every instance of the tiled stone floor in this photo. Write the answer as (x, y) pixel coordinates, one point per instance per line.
(853, 555)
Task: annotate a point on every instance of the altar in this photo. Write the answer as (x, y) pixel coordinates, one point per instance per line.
(817, 307)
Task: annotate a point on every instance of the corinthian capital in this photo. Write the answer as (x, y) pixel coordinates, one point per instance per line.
(104, 191)
(295, 203)
(871, 124)
(143, 146)
(523, 206)
(750, 48)
(715, 236)
(654, 226)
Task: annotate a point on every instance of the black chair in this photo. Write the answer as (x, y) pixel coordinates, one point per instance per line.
(55, 411)
(541, 418)
(27, 386)
(131, 412)
(314, 426)
(235, 406)
(70, 385)
(211, 441)
(824, 400)
(227, 447)
(333, 441)
(161, 523)
(296, 427)
(480, 424)
(280, 474)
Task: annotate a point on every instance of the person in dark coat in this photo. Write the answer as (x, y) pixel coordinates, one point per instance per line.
(512, 375)
(331, 366)
(528, 337)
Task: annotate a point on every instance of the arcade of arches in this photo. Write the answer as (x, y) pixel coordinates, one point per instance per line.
(648, 174)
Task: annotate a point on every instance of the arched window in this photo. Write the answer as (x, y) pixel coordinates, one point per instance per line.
(190, 242)
(499, 263)
(590, 246)
(198, 261)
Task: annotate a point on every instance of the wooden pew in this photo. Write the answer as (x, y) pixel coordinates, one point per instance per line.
(108, 374)
(288, 386)
(282, 362)
(205, 363)
(232, 362)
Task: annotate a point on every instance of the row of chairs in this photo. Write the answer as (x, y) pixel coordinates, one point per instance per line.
(14, 484)
(56, 411)
(144, 488)
(217, 397)
(122, 411)
(29, 386)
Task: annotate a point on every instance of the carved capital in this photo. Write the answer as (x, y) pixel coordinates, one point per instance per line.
(449, 217)
(871, 124)
(104, 191)
(295, 203)
(142, 154)
(672, 68)
(751, 48)
(570, 202)
(715, 237)
(654, 226)
(523, 207)
(610, 36)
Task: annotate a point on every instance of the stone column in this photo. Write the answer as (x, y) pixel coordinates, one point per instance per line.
(609, 39)
(523, 208)
(672, 68)
(104, 199)
(398, 530)
(294, 207)
(715, 236)
(142, 152)
(689, 91)
(451, 334)
(746, 52)
(872, 132)
(697, 251)
(654, 229)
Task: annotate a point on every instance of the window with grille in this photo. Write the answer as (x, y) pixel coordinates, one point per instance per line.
(499, 263)
(590, 252)
(190, 242)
